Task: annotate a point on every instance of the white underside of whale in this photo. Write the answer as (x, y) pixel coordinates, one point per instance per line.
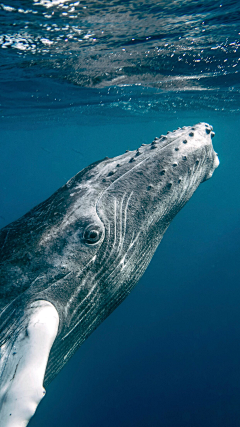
(23, 363)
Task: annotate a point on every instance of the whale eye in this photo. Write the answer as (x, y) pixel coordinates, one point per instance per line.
(92, 234)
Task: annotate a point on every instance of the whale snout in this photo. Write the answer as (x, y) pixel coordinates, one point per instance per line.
(194, 146)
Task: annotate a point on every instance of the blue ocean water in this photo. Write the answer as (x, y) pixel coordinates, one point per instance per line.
(84, 80)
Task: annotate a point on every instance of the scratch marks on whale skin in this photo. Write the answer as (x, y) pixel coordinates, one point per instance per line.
(90, 281)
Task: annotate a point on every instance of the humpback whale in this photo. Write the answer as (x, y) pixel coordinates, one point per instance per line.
(70, 261)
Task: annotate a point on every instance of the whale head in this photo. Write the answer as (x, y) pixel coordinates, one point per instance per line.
(85, 247)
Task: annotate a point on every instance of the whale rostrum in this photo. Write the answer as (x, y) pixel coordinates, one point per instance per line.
(70, 261)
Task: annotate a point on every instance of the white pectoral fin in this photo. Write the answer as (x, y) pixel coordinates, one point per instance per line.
(23, 364)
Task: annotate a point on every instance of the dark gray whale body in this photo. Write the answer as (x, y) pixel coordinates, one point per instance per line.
(84, 249)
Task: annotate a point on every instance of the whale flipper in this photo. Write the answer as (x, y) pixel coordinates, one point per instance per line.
(23, 364)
